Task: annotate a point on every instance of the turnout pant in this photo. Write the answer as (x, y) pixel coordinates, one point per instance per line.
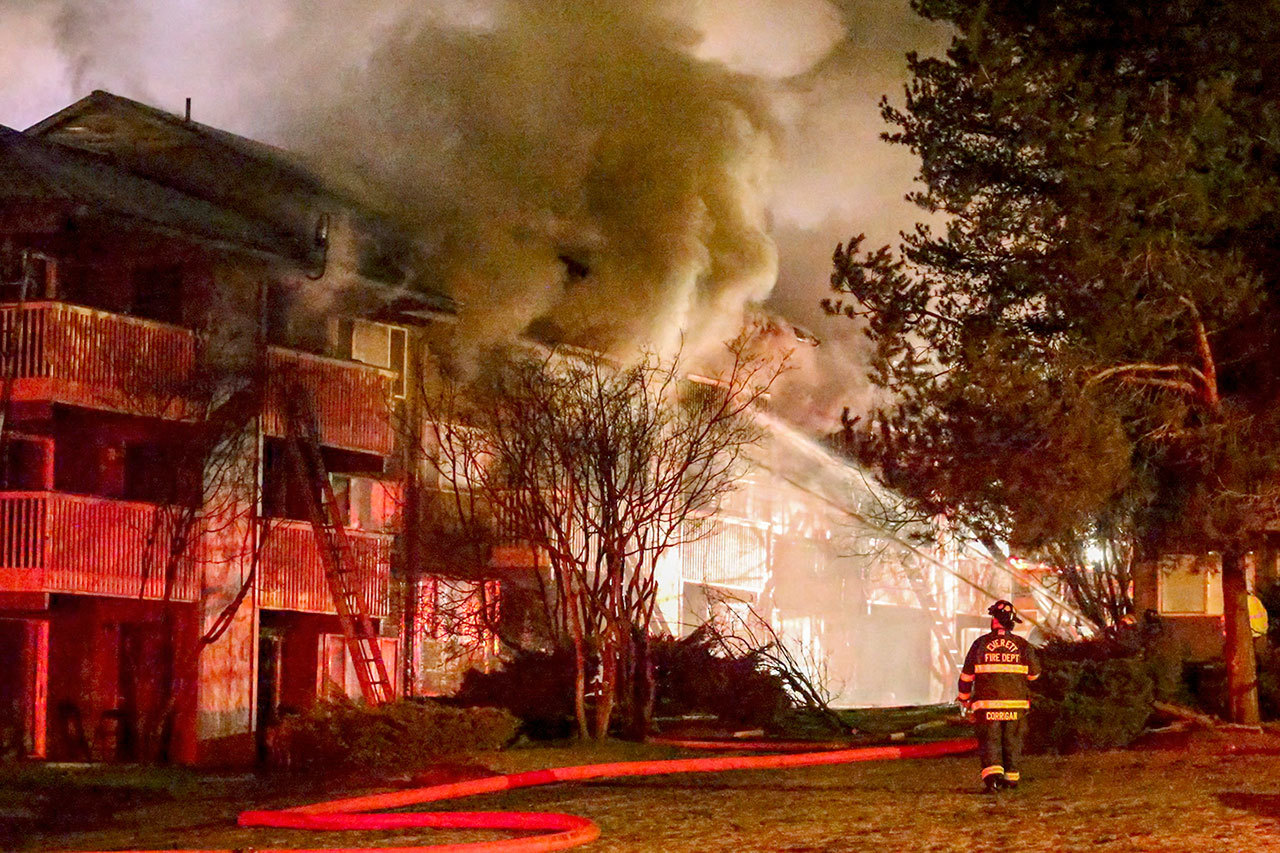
(1000, 745)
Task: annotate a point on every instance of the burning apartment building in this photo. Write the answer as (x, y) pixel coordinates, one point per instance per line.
(205, 384)
(163, 591)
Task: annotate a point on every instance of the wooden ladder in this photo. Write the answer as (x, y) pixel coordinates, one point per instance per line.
(335, 548)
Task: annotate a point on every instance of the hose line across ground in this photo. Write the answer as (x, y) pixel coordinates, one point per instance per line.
(564, 830)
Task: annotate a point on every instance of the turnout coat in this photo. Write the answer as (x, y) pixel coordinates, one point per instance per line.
(994, 679)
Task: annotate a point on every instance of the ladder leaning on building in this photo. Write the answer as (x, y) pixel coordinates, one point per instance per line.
(335, 550)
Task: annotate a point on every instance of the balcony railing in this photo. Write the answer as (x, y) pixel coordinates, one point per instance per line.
(349, 400)
(64, 353)
(53, 542)
(293, 577)
(57, 352)
(732, 554)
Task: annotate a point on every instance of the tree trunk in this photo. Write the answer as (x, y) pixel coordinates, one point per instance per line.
(409, 671)
(646, 686)
(579, 663)
(608, 684)
(627, 676)
(1242, 670)
(580, 685)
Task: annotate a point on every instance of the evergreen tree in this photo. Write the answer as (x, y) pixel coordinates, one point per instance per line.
(1086, 341)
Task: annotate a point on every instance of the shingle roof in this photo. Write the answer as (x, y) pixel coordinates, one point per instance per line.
(256, 181)
(35, 170)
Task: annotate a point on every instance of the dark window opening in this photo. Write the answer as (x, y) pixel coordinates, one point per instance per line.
(94, 467)
(25, 465)
(151, 476)
(278, 308)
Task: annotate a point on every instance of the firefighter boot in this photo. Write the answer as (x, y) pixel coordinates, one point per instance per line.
(992, 778)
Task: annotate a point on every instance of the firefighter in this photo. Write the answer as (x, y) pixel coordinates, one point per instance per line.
(993, 685)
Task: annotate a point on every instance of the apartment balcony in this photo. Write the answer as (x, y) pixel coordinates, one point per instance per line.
(293, 577)
(52, 542)
(476, 537)
(735, 555)
(350, 401)
(61, 353)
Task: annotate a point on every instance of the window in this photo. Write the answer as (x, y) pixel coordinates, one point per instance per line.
(1190, 584)
(157, 293)
(382, 346)
(371, 504)
(27, 463)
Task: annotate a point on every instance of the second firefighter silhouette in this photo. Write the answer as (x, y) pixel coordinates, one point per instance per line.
(994, 685)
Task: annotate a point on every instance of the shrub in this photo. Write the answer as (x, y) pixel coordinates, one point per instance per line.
(406, 734)
(1086, 698)
(694, 676)
(537, 687)
(1269, 682)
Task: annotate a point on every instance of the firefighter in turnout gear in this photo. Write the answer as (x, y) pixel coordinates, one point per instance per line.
(994, 686)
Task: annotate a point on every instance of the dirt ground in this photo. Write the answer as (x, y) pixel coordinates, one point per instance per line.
(1160, 800)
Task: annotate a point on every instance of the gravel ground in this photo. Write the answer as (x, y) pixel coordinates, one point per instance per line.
(1116, 801)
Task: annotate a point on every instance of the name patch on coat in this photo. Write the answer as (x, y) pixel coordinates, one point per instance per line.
(995, 716)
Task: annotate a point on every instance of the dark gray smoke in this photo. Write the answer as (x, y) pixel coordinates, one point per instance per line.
(570, 168)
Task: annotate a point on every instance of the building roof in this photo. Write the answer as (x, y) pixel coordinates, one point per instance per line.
(171, 148)
(35, 170)
(245, 178)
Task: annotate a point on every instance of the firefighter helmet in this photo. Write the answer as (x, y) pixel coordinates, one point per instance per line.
(1003, 612)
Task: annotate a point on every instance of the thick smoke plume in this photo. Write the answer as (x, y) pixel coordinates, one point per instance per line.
(571, 168)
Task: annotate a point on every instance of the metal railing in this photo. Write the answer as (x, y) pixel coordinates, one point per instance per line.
(82, 356)
(730, 554)
(58, 352)
(351, 401)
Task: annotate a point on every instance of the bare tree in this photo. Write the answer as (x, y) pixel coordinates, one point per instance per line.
(740, 631)
(601, 469)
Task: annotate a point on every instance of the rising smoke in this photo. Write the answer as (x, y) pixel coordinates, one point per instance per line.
(617, 173)
(570, 168)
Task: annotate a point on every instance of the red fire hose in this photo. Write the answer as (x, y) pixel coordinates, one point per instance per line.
(566, 830)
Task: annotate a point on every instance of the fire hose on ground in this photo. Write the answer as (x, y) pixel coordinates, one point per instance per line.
(565, 830)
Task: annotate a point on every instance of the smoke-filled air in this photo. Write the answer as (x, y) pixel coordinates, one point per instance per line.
(621, 174)
(569, 167)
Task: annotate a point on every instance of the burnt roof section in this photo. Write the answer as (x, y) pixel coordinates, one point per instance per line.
(86, 185)
(248, 178)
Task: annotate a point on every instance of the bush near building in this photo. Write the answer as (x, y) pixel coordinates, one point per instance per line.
(345, 735)
(1093, 694)
(693, 676)
(534, 686)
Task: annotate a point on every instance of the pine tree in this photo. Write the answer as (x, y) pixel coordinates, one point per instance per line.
(1089, 336)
